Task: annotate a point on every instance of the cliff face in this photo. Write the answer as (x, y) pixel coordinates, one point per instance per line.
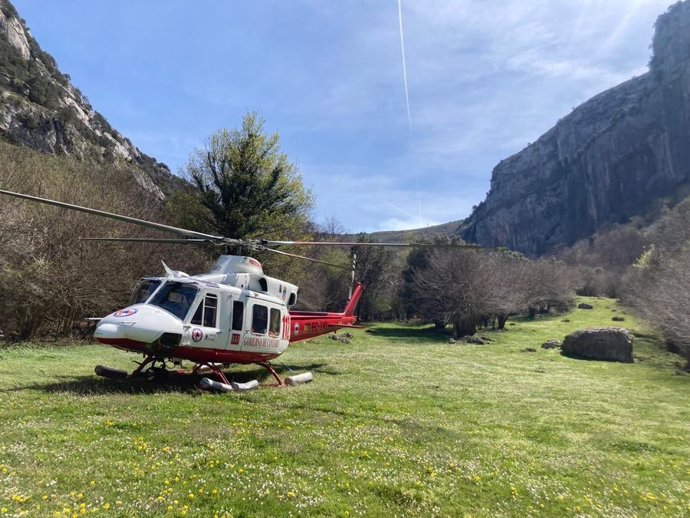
(41, 109)
(607, 161)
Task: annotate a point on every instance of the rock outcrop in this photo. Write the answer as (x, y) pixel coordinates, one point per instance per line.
(42, 110)
(612, 158)
(13, 30)
(609, 344)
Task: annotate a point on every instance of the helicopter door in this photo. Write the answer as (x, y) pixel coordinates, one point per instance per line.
(236, 325)
(203, 330)
(265, 327)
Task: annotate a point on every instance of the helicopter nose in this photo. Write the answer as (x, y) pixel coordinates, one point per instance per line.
(138, 324)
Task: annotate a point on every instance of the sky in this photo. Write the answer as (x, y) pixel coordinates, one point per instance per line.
(484, 79)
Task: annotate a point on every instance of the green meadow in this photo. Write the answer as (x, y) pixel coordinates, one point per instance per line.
(397, 423)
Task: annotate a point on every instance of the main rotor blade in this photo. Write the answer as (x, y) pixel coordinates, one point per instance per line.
(306, 258)
(343, 243)
(188, 241)
(119, 217)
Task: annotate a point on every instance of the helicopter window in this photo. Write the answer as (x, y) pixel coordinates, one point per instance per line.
(175, 297)
(274, 328)
(198, 314)
(205, 314)
(259, 319)
(237, 315)
(210, 309)
(144, 290)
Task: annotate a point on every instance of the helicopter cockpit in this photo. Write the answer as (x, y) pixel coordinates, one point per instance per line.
(145, 289)
(175, 297)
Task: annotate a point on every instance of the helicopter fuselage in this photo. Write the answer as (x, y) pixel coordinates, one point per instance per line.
(192, 318)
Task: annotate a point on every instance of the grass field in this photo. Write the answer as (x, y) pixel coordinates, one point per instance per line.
(399, 422)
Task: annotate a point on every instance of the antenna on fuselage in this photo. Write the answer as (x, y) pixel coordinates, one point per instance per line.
(168, 272)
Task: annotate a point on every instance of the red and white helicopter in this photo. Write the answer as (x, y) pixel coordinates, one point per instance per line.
(234, 314)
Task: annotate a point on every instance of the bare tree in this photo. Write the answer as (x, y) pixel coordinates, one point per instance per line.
(469, 289)
(659, 290)
(452, 288)
(549, 285)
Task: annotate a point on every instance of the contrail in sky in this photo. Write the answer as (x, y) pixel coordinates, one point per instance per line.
(399, 209)
(402, 50)
(407, 104)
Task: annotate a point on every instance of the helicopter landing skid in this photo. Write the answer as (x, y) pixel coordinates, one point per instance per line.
(148, 360)
(214, 368)
(109, 372)
(270, 369)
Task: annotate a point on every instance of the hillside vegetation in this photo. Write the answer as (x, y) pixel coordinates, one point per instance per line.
(399, 422)
(48, 277)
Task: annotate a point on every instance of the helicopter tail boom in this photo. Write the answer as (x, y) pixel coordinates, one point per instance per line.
(309, 324)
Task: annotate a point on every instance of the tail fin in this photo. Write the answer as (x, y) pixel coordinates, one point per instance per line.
(351, 306)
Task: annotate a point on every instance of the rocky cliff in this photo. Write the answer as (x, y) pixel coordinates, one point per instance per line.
(41, 109)
(612, 158)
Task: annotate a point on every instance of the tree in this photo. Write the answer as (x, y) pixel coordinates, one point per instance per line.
(469, 289)
(452, 289)
(658, 289)
(549, 285)
(507, 285)
(376, 269)
(248, 185)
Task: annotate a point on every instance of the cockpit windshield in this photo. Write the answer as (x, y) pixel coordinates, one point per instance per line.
(144, 290)
(175, 297)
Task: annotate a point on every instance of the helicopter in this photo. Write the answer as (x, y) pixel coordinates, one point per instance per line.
(234, 314)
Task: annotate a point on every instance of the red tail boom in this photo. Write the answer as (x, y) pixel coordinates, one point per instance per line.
(309, 324)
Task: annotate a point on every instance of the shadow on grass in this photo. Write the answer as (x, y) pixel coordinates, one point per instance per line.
(173, 382)
(425, 334)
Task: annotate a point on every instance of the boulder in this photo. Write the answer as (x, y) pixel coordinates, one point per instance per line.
(475, 340)
(584, 305)
(608, 344)
(618, 319)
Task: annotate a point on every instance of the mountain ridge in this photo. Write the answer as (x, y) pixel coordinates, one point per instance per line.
(619, 155)
(611, 159)
(41, 109)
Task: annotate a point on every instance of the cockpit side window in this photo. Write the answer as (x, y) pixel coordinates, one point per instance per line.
(144, 290)
(206, 312)
(175, 297)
